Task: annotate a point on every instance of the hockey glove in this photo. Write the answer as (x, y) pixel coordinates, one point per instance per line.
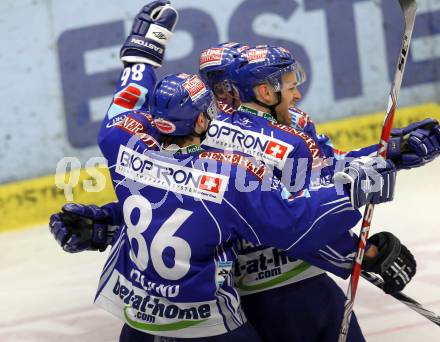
(394, 262)
(368, 180)
(414, 145)
(82, 227)
(152, 27)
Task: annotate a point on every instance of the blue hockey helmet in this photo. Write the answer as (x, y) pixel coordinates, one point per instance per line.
(177, 100)
(264, 64)
(215, 62)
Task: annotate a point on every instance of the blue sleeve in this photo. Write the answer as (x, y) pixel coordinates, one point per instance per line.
(115, 211)
(126, 119)
(364, 151)
(300, 225)
(332, 152)
(338, 157)
(121, 123)
(337, 256)
(131, 94)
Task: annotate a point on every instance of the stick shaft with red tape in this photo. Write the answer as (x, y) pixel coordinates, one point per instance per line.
(408, 8)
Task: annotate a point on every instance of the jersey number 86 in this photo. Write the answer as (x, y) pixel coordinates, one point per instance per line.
(164, 238)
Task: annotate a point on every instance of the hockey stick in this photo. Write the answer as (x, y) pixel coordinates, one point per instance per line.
(411, 303)
(408, 8)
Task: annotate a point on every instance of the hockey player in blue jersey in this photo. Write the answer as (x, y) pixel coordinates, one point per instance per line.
(273, 323)
(168, 272)
(163, 277)
(183, 208)
(116, 118)
(276, 276)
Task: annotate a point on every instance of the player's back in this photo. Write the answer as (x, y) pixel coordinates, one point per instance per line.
(177, 276)
(176, 208)
(169, 267)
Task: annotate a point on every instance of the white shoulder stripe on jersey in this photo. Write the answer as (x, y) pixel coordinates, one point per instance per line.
(215, 221)
(328, 212)
(115, 248)
(212, 216)
(337, 258)
(235, 209)
(219, 257)
(344, 209)
(224, 252)
(347, 257)
(336, 201)
(346, 265)
(107, 273)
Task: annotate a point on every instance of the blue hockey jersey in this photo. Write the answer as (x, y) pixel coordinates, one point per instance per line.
(169, 269)
(302, 160)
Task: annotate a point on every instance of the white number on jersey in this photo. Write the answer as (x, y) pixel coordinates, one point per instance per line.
(164, 238)
(136, 72)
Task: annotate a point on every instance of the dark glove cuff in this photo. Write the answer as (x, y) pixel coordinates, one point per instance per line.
(394, 148)
(143, 47)
(389, 247)
(99, 237)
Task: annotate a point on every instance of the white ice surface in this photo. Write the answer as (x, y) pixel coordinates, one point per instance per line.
(47, 294)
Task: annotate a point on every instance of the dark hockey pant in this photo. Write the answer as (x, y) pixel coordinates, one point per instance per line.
(307, 311)
(244, 333)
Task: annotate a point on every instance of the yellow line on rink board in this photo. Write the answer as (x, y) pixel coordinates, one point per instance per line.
(30, 202)
(363, 130)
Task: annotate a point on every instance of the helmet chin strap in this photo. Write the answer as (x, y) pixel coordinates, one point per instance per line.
(271, 107)
(235, 97)
(202, 136)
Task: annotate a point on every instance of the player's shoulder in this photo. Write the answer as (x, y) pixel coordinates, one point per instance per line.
(237, 161)
(300, 140)
(269, 127)
(287, 132)
(137, 123)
